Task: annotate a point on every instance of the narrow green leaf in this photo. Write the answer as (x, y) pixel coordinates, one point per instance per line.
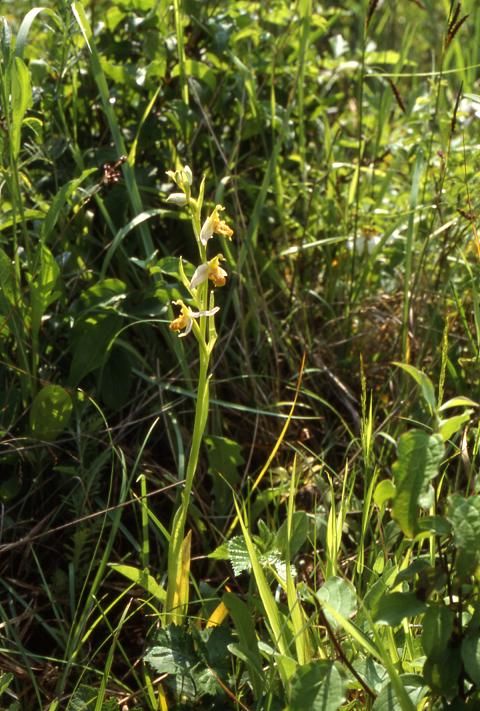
(21, 99)
(141, 578)
(426, 385)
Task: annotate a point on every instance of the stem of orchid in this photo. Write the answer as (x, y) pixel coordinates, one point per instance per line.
(173, 613)
(175, 608)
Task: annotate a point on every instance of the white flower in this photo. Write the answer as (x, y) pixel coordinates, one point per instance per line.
(185, 320)
(211, 270)
(179, 199)
(214, 225)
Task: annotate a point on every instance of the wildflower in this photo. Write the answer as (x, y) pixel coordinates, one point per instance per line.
(185, 320)
(211, 270)
(183, 177)
(214, 225)
(179, 199)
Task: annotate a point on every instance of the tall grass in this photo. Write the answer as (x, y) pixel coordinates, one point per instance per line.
(291, 519)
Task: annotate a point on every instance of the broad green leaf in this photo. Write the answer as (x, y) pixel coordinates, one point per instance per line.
(471, 656)
(437, 629)
(435, 524)
(415, 690)
(442, 671)
(394, 607)
(384, 491)
(141, 578)
(339, 594)
(224, 459)
(416, 566)
(426, 385)
(317, 686)
(199, 70)
(107, 293)
(373, 673)
(92, 339)
(464, 514)
(447, 428)
(173, 653)
(419, 457)
(50, 413)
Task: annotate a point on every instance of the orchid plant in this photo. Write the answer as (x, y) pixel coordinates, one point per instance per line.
(196, 317)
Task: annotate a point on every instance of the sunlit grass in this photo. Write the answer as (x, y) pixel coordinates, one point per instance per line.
(343, 142)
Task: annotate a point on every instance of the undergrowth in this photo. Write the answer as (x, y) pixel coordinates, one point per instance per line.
(291, 519)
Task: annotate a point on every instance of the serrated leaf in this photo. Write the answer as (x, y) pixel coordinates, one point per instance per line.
(238, 555)
(317, 686)
(173, 653)
(419, 458)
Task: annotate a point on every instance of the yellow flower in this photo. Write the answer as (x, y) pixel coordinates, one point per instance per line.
(211, 270)
(213, 225)
(185, 320)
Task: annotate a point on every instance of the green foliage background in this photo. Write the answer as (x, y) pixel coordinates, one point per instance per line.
(342, 137)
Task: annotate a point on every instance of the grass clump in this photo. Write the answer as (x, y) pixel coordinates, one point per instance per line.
(290, 519)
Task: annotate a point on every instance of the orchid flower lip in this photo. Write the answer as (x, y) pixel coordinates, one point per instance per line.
(185, 319)
(214, 225)
(211, 270)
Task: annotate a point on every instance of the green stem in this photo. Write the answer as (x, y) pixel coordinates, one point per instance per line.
(178, 528)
